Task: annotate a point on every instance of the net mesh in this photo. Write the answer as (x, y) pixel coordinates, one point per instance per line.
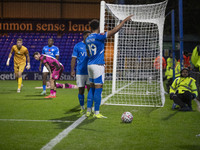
(130, 76)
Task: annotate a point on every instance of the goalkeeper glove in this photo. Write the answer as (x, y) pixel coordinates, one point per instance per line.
(28, 66)
(8, 62)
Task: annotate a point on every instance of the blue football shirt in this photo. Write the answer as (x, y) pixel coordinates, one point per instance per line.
(95, 45)
(80, 53)
(52, 51)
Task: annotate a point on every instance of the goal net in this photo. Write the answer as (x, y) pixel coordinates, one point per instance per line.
(130, 76)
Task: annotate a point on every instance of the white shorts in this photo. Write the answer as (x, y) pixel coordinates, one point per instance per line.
(82, 80)
(45, 69)
(96, 73)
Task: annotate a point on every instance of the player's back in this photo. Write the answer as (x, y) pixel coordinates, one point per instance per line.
(51, 51)
(19, 54)
(51, 61)
(95, 45)
(82, 59)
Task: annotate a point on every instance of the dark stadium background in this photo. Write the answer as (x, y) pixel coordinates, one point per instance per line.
(80, 11)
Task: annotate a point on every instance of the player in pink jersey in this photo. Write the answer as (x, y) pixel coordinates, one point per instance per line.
(55, 69)
(66, 86)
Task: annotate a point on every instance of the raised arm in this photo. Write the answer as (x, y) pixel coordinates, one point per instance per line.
(118, 27)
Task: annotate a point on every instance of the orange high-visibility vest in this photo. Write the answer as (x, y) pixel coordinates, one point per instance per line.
(157, 63)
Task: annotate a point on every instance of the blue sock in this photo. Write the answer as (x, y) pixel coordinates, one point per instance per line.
(97, 98)
(90, 97)
(44, 87)
(81, 99)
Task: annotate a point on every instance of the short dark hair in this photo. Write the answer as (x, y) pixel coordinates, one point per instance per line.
(94, 24)
(186, 70)
(36, 53)
(86, 32)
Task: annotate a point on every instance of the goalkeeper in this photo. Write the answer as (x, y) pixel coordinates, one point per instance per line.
(183, 90)
(20, 55)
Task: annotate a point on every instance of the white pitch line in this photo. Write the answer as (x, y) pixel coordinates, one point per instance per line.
(63, 134)
(21, 120)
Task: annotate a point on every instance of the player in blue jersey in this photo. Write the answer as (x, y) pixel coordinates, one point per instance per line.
(96, 64)
(52, 51)
(80, 55)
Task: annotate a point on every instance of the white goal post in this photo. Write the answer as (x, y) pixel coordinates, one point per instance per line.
(130, 76)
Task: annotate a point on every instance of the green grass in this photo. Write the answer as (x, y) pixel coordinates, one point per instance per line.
(151, 129)
(135, 93)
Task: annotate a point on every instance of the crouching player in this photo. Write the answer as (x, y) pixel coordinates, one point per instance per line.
(55, 69)
(183, 90)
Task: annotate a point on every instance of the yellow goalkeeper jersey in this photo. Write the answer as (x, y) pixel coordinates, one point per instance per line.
(19, 54)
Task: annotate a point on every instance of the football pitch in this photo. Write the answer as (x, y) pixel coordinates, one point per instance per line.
(30, 122)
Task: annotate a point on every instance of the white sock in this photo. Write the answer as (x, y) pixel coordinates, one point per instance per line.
(82, 107)
(96, 112)
(89, 110)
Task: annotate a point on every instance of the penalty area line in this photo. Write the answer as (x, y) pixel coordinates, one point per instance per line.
(63, 134)
(21, 120)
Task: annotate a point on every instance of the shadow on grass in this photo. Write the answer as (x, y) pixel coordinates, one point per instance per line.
(33, 95)
(149, 110)
(8, 92)
(86, 122)
(75, 109)
(170, 115)
(73, 117)
(64, 125)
